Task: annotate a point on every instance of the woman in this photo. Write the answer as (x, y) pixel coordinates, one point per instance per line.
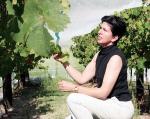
(110, 99)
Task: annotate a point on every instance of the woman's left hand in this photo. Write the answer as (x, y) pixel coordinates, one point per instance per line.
(66, 86)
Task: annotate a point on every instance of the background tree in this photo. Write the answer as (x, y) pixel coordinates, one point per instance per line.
(136, 45)
(84, 47)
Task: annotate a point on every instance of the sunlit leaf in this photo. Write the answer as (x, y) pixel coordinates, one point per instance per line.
(39, 40)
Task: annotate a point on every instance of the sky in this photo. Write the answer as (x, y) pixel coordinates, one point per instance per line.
(85, 15)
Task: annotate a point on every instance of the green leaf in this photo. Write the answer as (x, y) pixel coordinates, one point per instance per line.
(147, 25)
(126, 15)
(53, 15)
(43, 12)
(24, 52)
(140, 62)
(9, 7)
(30, 20)
(136, 12)
(39, 41)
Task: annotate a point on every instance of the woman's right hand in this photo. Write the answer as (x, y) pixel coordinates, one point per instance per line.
(57, 57)
(60, 58)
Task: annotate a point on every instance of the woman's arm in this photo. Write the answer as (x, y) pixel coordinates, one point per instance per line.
(112, 72)
(86, 75)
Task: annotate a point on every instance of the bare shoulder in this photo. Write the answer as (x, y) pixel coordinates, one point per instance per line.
(115, 59)
(95, 57)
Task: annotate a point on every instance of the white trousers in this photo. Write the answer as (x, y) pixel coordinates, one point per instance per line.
(83, 106)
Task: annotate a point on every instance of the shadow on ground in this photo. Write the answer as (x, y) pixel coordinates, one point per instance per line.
(28, 103)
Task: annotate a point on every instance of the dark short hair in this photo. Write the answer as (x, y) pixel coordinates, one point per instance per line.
(117, 24)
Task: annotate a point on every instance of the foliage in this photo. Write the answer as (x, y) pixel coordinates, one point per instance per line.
(24, 37)
(84, 47)
(136, 43)
(33, 33)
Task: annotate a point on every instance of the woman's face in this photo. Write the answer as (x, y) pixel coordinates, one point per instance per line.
(105, 36)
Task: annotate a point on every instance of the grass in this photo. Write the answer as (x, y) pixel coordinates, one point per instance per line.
(50, 95)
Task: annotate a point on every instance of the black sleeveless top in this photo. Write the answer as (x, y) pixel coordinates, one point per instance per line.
(120, 89)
